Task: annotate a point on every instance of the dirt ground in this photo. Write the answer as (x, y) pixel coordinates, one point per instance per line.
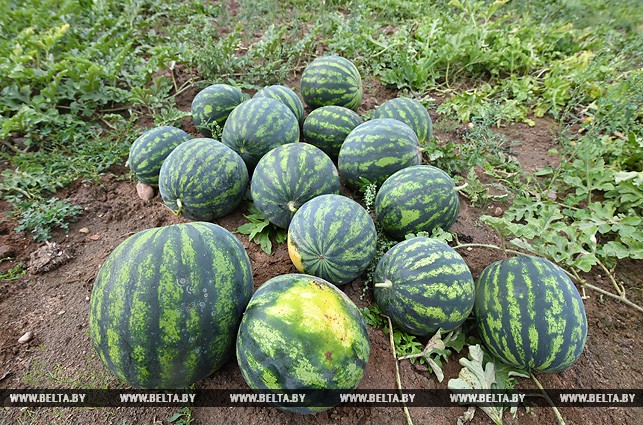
(54, 306)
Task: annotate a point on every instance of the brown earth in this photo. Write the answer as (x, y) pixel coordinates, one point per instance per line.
(53, 305)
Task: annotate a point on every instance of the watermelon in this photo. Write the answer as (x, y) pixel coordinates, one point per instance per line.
(286, 96)
(411, 112)
(167, 303)
(203, 179)
(148, 152)
(332, 237)
(416, 199)
(300, 332)
(530, 314)
(328, 126)
(331, 80)
(287, 177)
(375, 150)
(257, 126)
(423, 285)
(212, 105)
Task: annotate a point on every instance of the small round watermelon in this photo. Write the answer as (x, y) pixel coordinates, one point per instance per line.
(331, 80)
(167, 302)
(257, 126)
(286, 96)
(300, 332)
(332, 237)
(147, 153)
(212, 105)
(530, 314)
(411, 112)
(416, 199)
(203, 179)
(287, 177)
(375, 150)
(328, 126)
(423, 285)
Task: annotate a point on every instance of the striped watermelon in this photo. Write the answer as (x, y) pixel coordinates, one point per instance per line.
(286, 96)
(212, 105)
(423, 285)
(287, 177)
(257, 126)
(411, 112)
(328, 126)
(332, 237)
(376, 149)
(530, 314)
(167, 302)
(203, 179)
(299, 332)
(416, 199)
(148, 152)
(331, 80)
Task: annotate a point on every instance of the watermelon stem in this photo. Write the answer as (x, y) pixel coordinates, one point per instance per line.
(459, 188)
(386, 284)
(180, 204)
(561, 421)
(291, 206)
(398, 379)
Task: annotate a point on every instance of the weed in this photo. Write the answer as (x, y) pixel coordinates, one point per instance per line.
(261, 231)
(41, 217)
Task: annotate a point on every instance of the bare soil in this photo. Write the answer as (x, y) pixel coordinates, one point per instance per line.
(53, 305)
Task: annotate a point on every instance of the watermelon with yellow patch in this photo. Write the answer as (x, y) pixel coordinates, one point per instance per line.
(167, 303)
(530, 314)
(300, 332)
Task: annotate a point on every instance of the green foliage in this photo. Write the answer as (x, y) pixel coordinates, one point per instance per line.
(479, 372)
(182, 417)
(15, 272)
(261, 231)
(41, 217)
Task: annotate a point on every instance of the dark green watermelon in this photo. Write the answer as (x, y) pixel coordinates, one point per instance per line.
(375, 150)
(331, 80)
(416, 199)
(411, 112)
(423, 285)
(300, 332)
(287, 177)
(332, 237)
(328, 126)
(212, 106)
(147, 153)
(257, 126)
(167, 303)
(530, 314)
(203, 179)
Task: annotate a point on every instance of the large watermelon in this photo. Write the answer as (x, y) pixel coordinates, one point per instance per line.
(530, 314)
(423, 285)
(147, 153)
(287, 177)
(416, 199)
(257, 126)
(411, 112)
(332, 237)
(203, 179)
(167, 302)
(375, 150)
(331, 80)
(286, 96)
(300, 332)
(212, 105)
(328, 126)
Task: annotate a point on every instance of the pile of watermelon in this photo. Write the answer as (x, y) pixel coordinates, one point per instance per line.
(170, 305)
